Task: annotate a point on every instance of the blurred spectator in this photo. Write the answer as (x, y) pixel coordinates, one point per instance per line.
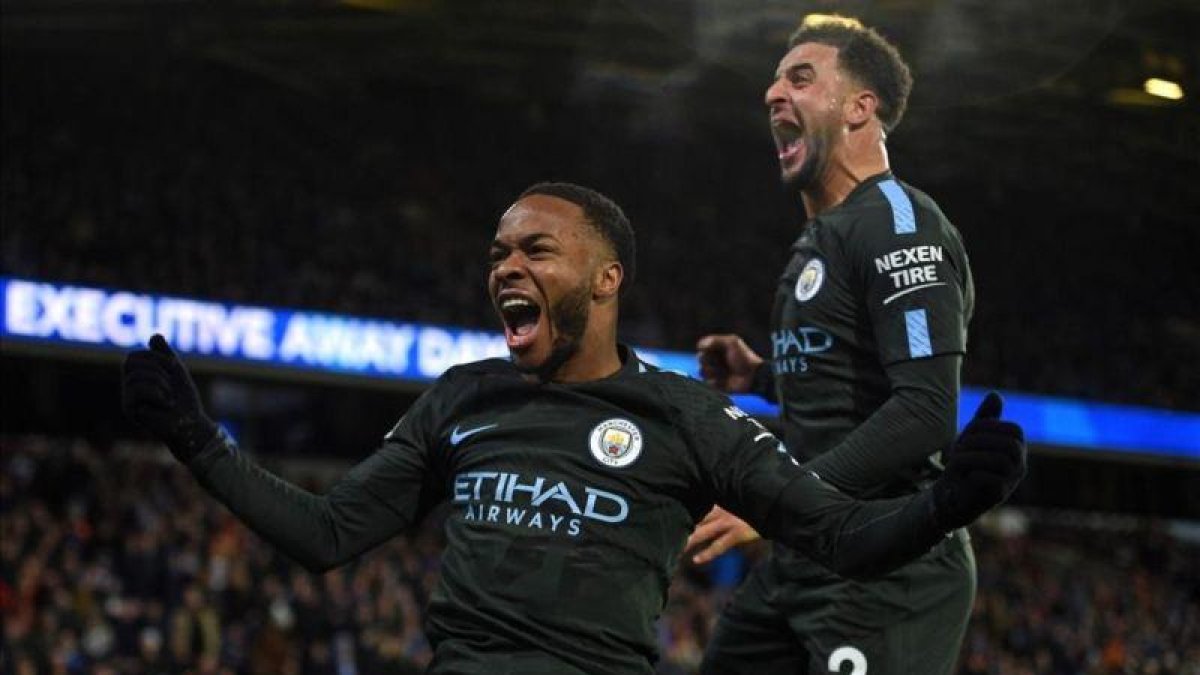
(195, 630)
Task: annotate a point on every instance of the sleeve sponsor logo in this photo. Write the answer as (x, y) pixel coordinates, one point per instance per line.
(811, 278)
(911, 269)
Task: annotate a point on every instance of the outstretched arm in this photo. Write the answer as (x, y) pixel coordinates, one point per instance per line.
(377, 499)
(320, 531)
(864, 538)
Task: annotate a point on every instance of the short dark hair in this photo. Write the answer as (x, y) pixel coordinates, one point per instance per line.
(867, 56)
(605, 217)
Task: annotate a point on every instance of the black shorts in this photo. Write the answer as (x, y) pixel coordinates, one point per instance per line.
(453, 658)
(793, 616)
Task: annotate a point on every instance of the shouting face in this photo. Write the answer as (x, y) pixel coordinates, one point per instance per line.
(543, 260)
(805, 106)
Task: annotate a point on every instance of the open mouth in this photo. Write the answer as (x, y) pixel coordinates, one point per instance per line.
(521, 317)
(789, 140)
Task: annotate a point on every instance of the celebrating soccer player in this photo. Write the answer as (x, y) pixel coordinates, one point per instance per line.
(575, 471)
(868, 334)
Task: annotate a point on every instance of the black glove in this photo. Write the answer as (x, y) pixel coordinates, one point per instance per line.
(158, 393)
(982, 469)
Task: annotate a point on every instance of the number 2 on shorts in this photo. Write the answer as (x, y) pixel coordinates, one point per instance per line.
(858, 660)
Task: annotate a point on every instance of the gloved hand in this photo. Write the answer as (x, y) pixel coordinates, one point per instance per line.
(982, 469)
(158, 393)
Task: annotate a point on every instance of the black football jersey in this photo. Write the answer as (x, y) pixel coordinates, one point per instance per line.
(570, 505)
(879, 279)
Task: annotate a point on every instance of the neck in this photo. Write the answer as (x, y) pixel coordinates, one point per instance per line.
(597, 357)
(856, 162)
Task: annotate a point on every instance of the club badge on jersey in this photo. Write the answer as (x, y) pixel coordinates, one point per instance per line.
(810, 280)
(616, 443)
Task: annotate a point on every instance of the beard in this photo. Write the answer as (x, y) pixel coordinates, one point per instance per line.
(569, 317)
(815, 161)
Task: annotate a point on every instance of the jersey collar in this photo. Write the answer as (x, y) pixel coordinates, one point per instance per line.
(861, 188)
(866, 184)
(631, 364)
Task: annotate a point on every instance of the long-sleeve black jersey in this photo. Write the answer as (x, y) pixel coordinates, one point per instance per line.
(868, 333)
(570, 507)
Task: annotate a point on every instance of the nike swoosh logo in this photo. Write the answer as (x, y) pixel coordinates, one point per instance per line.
(457, 436)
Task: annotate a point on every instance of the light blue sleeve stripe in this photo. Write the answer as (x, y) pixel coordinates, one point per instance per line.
(902, 209)
(918, 333)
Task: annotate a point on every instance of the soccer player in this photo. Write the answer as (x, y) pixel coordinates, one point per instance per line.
(868, 334)
(575, 471)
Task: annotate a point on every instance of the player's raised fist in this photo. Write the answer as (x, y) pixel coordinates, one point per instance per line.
(727, 362)
(158, 393)
(983, 468)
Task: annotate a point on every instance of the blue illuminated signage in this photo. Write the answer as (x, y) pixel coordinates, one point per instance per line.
(115, 320)
(86, 316)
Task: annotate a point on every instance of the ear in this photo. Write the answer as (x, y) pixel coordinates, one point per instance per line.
(860, 107)
(609, 275)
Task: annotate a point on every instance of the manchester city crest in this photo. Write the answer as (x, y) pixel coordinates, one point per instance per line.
(616, 442)
(810, 280)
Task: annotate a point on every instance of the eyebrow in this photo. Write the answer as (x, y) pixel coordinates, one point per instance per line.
(794, 68)
(526, 241)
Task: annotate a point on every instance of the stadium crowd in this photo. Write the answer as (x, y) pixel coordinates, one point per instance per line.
(116, 564)
(196, 179)
(113, 561)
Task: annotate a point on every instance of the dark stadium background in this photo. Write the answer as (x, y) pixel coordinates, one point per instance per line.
(354, 158)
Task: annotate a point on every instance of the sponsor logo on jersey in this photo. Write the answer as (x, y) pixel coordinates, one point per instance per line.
(535, 502)
(811, 278)
(800, 340)
(616, 443)
(909, 269)
(792, 347)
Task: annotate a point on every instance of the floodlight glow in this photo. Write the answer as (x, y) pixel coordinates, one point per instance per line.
(1163, 89)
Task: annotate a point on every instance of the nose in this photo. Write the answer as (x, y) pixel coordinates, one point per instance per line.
(509, 267)
(775, 94)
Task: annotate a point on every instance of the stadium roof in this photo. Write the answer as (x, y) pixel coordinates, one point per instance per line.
(1074, 77)
(963, 51)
